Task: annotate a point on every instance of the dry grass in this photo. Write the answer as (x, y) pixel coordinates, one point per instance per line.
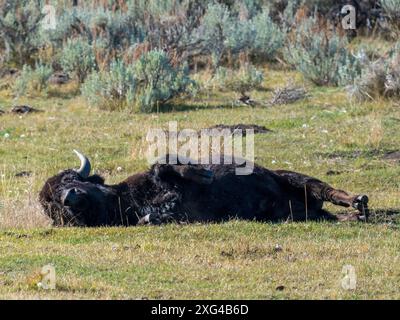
(21, 208)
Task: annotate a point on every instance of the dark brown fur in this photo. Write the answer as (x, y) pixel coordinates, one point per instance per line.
(190, 193)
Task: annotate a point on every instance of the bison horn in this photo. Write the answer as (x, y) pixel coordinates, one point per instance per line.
(85, 168)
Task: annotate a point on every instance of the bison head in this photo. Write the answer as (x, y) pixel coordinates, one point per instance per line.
(74, 198)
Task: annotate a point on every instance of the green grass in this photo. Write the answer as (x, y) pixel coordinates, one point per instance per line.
(231, 260)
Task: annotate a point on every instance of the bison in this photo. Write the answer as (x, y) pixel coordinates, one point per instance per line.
(186, 193)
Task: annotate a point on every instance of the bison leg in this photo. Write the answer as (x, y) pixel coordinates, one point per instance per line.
(194, 173)
(342, 198)
(322, 191)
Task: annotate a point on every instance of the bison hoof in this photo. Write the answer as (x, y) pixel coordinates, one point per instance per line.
(361, 204)
(362, 218)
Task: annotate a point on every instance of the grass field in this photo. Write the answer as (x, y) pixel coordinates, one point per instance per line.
(325, 132)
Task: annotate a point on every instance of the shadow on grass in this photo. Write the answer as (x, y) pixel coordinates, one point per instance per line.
(376, 216)
(64, 95)
(353, 154)
(182, 107)
(391, 215)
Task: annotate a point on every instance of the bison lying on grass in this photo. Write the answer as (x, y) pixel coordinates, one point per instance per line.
(189, 193)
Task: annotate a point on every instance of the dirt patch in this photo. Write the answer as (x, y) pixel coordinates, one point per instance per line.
(374, 153)
(333, 172)
(16, 235)
(239, 127)
(24, 109)
(23, 174)
(395, 155)
(390, 216)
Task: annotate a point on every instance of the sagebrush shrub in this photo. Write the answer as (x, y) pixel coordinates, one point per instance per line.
(320, 56)
(392, 83)
(392, 12)
(241, 81)
(111, 90)
(149, 83)
(380, 78)
(20, 23)
(259, 35)
(216, 25)
(370, 84)
(114, 28)
(77, 58)
(158, 80)
(32, 81)
(350, 68)
(224, 32)
(268, 37)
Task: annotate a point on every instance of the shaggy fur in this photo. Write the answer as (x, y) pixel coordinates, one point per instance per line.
(189, 193)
